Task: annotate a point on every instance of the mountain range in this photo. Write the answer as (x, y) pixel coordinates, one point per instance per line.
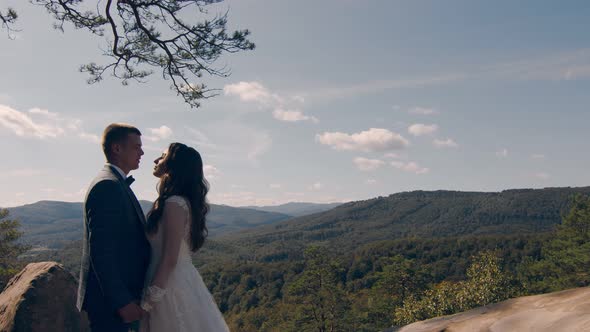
(296, 209)
(423, 214)
(435, 234)
(416, 214)
(53, 223)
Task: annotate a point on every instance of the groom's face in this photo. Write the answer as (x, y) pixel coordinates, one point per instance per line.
(129, 152)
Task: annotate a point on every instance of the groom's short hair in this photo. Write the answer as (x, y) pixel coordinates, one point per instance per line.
(116, 133)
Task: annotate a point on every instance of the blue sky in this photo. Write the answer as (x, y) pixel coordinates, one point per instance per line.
(341, 100)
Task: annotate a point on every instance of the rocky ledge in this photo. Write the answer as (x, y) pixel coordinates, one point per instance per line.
(42, 297)
(567, 310)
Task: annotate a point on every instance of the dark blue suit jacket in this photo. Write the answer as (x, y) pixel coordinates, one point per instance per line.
(115, 250)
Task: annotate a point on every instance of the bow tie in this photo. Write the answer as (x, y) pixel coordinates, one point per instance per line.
(129, 180)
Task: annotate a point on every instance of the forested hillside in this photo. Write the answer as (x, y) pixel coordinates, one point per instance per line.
(398, 281)
(54, 224)
(389, 261)
(419, 214)
(296, 209)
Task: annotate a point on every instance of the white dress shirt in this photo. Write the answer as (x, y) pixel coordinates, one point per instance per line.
(118, 170)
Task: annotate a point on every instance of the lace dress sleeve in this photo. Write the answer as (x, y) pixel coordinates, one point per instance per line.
(173, 226)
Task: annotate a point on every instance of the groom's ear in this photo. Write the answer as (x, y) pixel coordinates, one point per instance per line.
(115, 148)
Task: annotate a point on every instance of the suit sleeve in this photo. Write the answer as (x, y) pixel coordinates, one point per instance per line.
(104, 216)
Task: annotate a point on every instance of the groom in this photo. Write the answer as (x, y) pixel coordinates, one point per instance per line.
(115, 251)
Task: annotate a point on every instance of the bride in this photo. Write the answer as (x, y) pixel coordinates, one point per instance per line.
(175, 296)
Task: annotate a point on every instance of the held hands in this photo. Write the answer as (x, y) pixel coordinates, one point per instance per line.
(131, 313)
(152, 295)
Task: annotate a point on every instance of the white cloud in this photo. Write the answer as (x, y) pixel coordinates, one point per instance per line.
(374, 139)
(575, 72)
(157, 149)
(564, 66)
(211, 172)
(24, 126)
(242, 198)
(295, 193)
(228, 141)
(423, 111)
(448, 143)
(90, 137)
(42, 124)
(275, 186)
(366, 165)
(292, 116)
(257, 93)
(568, 65)
(419, 129)
(71, 124)
(503, 153)
(370, 181)
(390, 155)
(251, 92)
(198, 139)
(25, 172)
(376, 86)
(411, 167)
(316, 186)
(75, 196)
(4, 98)
(538, 156)
(158, 134)
(249, 198)
(262, 143)
(298, 98)
(43, 112)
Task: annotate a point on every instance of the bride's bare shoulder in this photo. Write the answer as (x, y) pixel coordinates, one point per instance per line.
(179, 201)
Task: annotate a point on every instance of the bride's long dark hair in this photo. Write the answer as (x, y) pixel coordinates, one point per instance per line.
(183, 176)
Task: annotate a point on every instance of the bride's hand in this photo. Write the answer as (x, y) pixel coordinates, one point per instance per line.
(152, 295)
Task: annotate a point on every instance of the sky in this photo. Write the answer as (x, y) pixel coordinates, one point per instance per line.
(341, 100)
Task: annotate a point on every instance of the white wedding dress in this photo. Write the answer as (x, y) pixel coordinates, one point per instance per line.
(187, 304)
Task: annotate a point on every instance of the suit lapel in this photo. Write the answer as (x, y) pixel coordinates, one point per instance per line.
(130, 194)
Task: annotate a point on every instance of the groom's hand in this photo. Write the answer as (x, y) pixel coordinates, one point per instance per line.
(131, 313)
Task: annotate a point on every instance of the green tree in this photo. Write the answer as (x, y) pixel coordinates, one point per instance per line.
(148, 35)
(321, 300)
(398, 280)
(10, 248)
(486, 283)
(565, 259)
(437, 301)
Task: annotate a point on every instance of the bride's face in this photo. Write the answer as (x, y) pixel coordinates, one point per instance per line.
(159, 169)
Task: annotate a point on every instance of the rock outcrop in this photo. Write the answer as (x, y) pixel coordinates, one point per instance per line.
(567, 310)
(42, 297)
